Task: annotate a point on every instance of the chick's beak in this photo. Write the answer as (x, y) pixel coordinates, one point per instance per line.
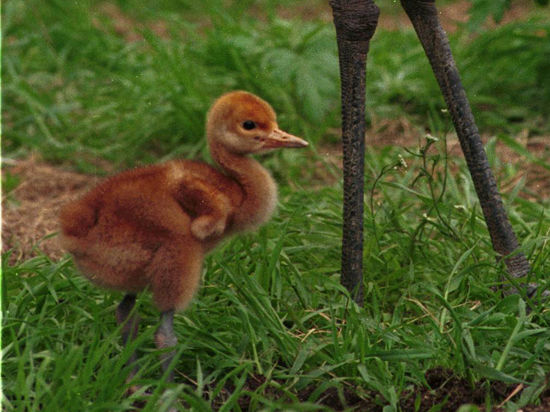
(279, 138)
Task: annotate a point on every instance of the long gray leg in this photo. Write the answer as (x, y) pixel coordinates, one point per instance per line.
(166, 338)
(130, 323)
(355, 22)
(424, 17)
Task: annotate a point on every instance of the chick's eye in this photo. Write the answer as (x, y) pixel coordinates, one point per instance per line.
(249, 125)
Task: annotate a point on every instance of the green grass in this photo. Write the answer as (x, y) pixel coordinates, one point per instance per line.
(271, 307)
(77, 89)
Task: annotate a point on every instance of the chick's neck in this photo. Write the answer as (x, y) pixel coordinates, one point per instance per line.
(259, 188)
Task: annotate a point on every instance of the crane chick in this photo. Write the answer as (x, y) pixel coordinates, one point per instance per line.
(151, 227)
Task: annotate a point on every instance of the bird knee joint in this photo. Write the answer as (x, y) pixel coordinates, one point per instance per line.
(355, 20)
(419, 7)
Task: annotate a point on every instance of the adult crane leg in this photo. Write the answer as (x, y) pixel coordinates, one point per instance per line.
(424, 17)
(355, 22)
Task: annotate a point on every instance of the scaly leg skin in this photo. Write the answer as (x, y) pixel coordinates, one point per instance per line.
(424, 17)
(130, 323)
(166, 338)
(355, 22)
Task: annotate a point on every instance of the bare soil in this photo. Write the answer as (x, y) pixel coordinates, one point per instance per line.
(452, 15)
(127, 27)
(444, 389)
(402, 133)
(29, 212)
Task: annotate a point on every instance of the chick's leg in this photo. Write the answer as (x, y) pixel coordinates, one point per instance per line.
(175, 275)
(130, 323)
(166, 338)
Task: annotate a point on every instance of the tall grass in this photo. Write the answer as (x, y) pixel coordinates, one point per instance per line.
(271, 307)
(76, 84)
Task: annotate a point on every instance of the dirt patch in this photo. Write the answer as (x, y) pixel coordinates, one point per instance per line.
(533, 168)
(447, 389)
(127, 27)
(393, 17)
(29, 212)
(452, 15)
(444, 391)
(536, 187)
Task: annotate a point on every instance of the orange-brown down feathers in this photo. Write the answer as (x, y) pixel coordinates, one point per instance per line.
(152, 226)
